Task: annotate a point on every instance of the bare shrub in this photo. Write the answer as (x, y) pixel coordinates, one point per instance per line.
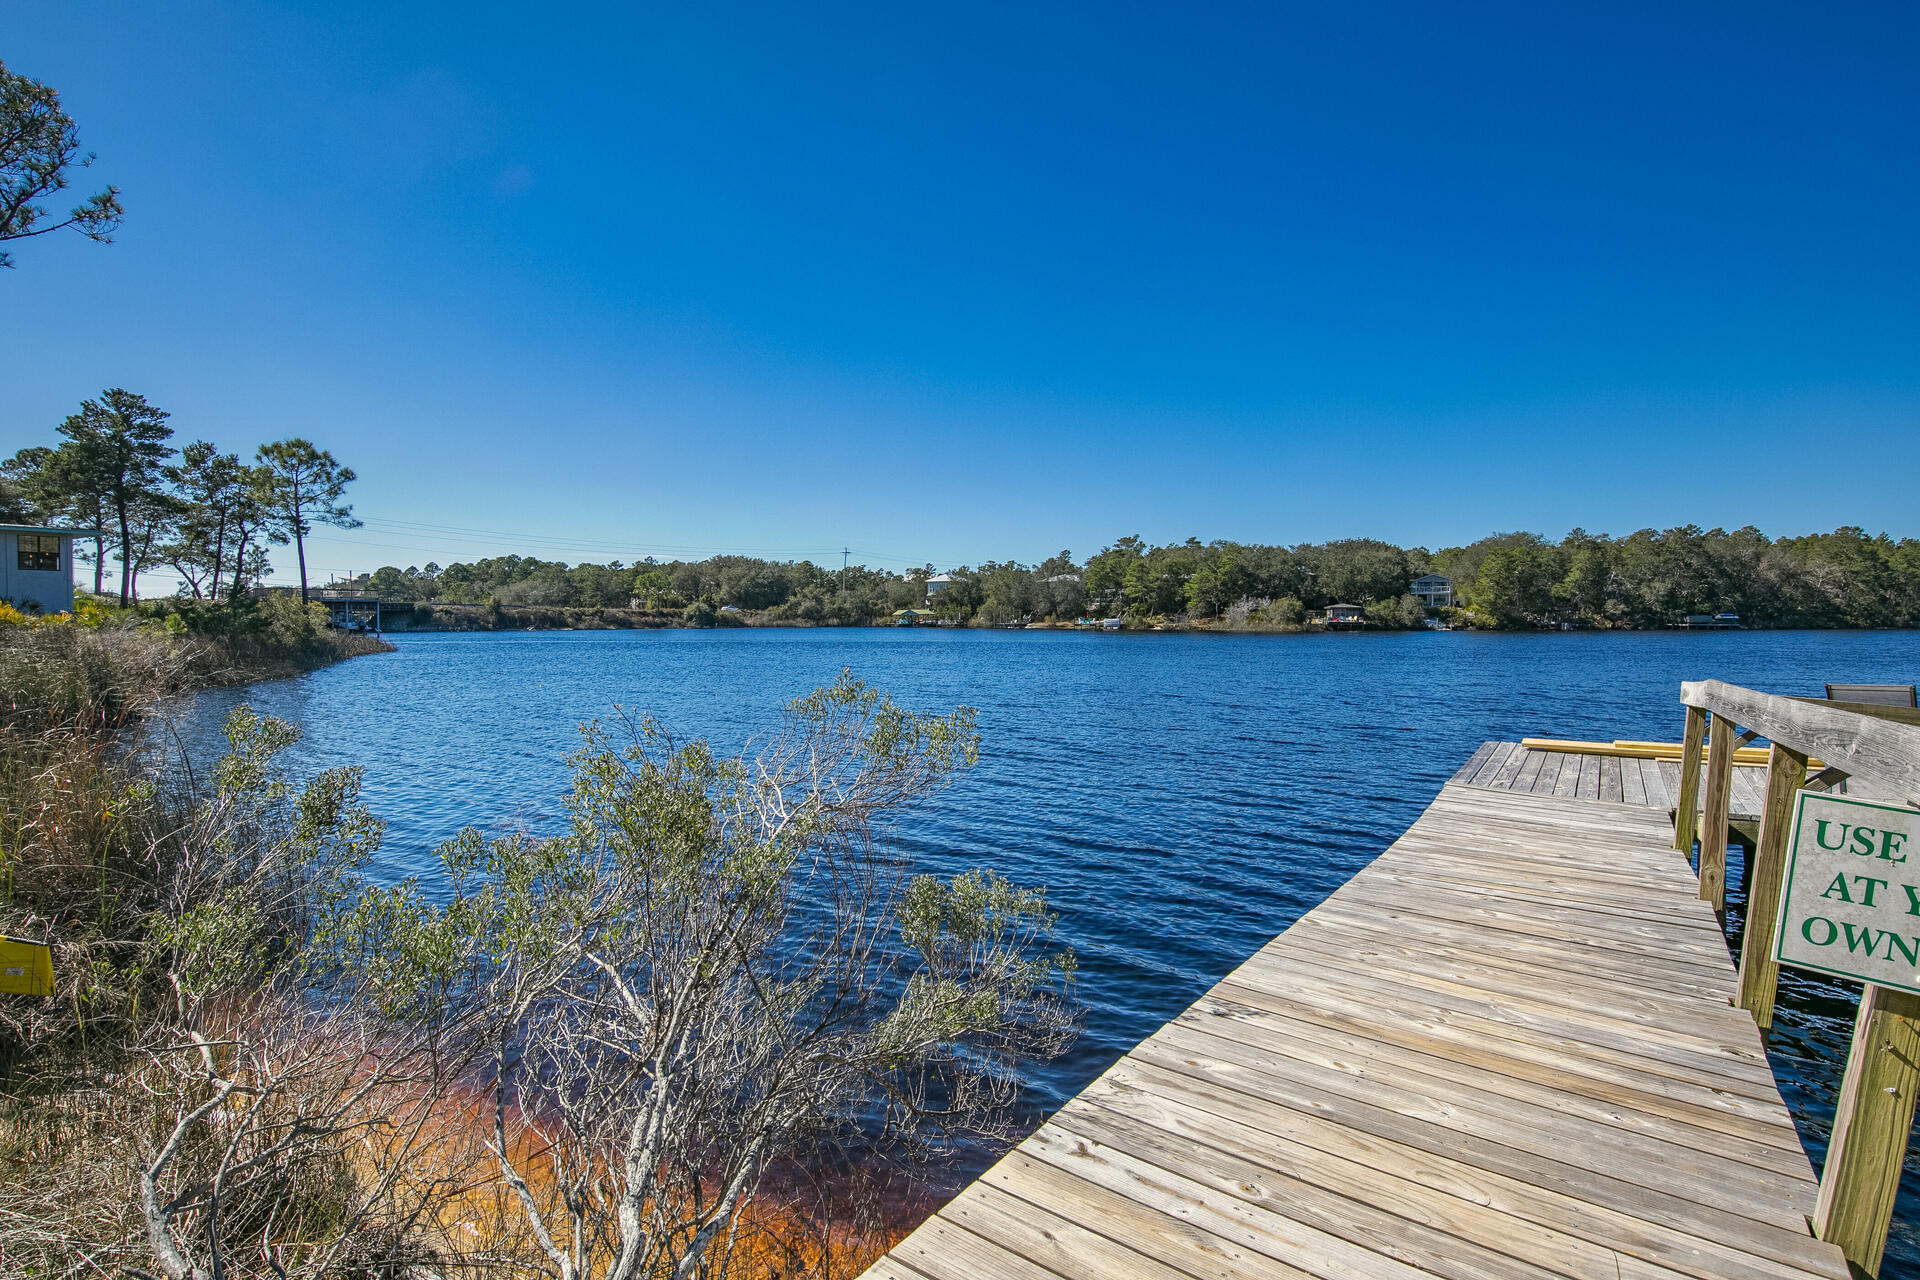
(716, 970)
(212, 1090)
(1243, 609)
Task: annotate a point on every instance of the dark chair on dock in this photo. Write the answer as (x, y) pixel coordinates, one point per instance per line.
(1880, 695)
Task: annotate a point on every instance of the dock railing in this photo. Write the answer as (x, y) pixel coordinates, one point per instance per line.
(1880, 746)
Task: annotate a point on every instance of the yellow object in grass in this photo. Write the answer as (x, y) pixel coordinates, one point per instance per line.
(26, 967)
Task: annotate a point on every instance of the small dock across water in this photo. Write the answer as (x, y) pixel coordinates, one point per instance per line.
(1509, 1048)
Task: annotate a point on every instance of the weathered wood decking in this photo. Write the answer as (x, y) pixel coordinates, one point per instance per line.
(1502, 1051)
(1508, 766)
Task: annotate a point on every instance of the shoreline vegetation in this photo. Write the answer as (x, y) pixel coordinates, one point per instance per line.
(642, 1045)
(1511, 581)
(158, 649)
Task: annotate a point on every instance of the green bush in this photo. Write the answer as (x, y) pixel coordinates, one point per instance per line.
(1400, 612)
(1287, 611)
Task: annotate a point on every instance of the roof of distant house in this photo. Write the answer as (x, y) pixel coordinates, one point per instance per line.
(42, 528)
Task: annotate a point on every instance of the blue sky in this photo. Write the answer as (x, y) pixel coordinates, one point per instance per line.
(944, 284)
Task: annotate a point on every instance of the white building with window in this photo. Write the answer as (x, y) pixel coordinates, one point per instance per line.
(36, 567)
(1433, 591)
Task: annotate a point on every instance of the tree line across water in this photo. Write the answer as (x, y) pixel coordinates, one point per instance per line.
(1652, 578)
(212, 518)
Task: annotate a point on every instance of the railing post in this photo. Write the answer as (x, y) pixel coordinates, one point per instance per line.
(1871, 1126)
(1684, 812)
(1759, 971)
(1713, 831)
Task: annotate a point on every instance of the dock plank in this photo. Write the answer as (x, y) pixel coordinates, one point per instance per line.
(1745, 799)
(1610, 788)
(1491, 764)
(1474, 761)
(1568, 783)
(1528, 1121)
(1510, 768)
(1658, 794)
(1407, 1217)
(1502, 1051)
(1633, 781)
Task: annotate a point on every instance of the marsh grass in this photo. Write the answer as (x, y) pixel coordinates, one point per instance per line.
(93, 848)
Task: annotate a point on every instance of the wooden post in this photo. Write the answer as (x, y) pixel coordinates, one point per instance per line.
(1871, 1127)
(1684, 812)
(1759, 972)
(1713, 831)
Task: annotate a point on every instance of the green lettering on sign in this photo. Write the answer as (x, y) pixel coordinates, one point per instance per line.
(1833, 918)
(1890, 842)
(1862, 941)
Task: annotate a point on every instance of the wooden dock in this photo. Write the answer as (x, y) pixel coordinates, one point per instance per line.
(1504, 1050)
(1509, 766)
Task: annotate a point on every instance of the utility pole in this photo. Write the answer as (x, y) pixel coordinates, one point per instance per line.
(844, 553)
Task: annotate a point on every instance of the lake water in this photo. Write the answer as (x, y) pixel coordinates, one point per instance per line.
(1183, 797)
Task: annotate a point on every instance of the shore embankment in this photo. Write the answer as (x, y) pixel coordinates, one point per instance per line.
(159, 649)
(401, 616)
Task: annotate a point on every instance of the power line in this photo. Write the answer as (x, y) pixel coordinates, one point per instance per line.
(547, 542)
(421, 544)
(418, 526)
(522, 537)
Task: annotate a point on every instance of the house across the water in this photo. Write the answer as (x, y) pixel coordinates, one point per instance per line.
(937, 585)
(1339, 614)
(1433, 591)
(36, 567)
